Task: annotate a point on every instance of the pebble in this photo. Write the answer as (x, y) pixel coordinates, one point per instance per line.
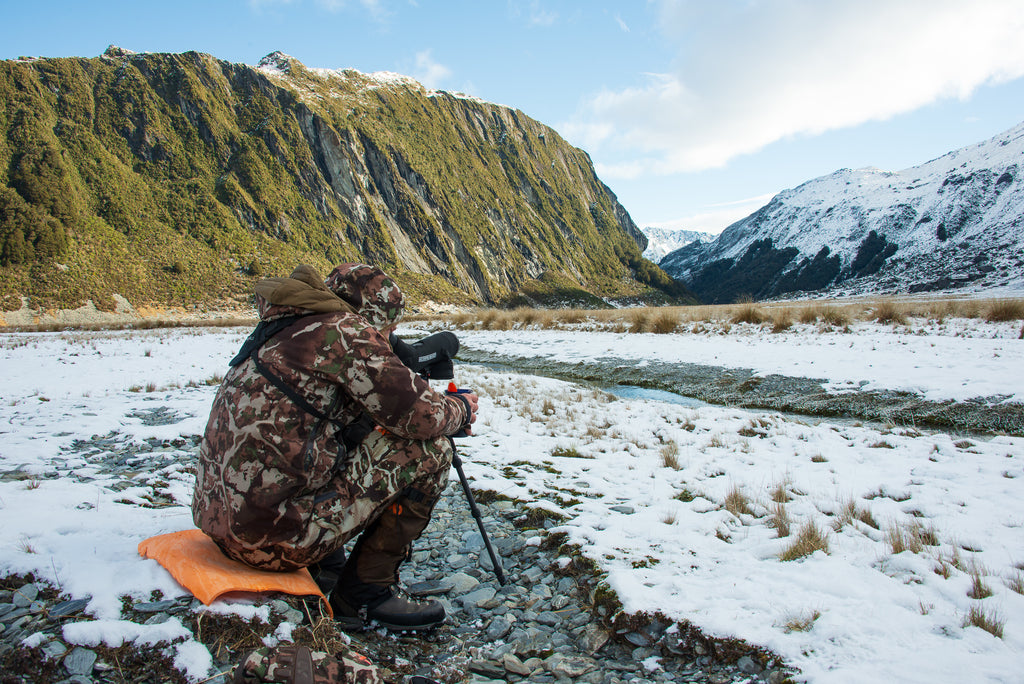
(538, 627)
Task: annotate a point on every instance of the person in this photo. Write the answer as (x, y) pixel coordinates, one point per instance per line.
(319, 433)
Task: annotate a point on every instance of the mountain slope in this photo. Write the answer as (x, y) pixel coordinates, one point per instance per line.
(954, 222)
(179, 178)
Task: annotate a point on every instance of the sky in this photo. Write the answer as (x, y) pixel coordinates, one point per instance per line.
(694, 113)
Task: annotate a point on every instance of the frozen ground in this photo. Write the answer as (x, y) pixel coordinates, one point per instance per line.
(644, 488)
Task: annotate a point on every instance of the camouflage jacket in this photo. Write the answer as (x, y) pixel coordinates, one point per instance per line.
(263, 459)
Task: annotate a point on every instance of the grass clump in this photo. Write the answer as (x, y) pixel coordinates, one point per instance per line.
(809, 539)
(749, 313)
(779, 520)
(1005, 310)
(737, 502)
(986, 620)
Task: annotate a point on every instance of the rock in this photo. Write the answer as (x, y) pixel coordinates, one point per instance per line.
(462, 583)
(488, 668)
(749, 665)
(593, 639)
(71, 607)
(155, 606)
(80, 661)
(25, 595)
(498, 629)
(569, 666)
(478, 597)
(514, 665)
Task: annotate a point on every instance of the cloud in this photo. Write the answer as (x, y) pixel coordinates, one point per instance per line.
(750, 73)
(428, 72)
(716, 217)
(622, 24)
(535, 12)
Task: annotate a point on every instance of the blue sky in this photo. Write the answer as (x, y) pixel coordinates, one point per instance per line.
(694, 113)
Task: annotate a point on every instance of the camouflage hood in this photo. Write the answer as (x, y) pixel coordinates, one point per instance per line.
(303, 290)
(373, 294)
(352, 288)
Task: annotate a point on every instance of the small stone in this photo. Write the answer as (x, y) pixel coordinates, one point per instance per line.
(80, 661)
(549, 618)
(25, 595)
(155, 606)
(498, 629)
(71, 607)
(462, 583)
(593, 639)
(514, 665)
(569, 666)
(627, 510)
(54, 649)
(488, 668)
(749, 665)
(479, 597)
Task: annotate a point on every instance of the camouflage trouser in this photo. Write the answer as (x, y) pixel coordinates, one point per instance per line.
(379, 471)
(300, 665)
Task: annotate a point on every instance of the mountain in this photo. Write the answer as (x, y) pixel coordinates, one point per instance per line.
(954, 223)
(179, 179)
(661, 241)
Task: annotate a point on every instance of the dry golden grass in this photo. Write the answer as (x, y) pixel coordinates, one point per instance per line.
(737, 502)
(779, 520)
(719, 318)
(809, 539)
(986, 620)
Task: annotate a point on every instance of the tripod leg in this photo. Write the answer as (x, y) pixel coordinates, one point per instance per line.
(498, 571)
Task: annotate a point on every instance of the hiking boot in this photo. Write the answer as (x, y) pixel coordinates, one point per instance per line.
(356, 605)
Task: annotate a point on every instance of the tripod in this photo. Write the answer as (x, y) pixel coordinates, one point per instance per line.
(457, 462)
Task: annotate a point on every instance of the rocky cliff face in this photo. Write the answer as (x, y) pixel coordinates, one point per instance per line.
(175, 178)
(955, 223)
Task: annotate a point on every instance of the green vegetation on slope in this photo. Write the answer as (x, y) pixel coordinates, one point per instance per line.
(179, 179)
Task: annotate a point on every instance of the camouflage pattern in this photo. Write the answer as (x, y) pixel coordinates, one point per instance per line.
(289, 664)
(274, 487)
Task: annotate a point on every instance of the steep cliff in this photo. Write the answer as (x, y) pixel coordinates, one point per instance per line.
(179, 178)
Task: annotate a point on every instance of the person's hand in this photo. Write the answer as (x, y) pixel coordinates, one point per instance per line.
(474, 404)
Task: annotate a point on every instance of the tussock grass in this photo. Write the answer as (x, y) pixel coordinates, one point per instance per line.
(1002, 310)
(670, 456)
(779, 520)
(888, 311)
(801, 622)
(988, 620)
(749, 313)
(912, 537)
(809, 539)
(737, 502)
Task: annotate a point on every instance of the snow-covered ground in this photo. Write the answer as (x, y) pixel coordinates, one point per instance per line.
(643, 486)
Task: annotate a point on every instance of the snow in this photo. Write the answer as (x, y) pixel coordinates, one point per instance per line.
(658, 529)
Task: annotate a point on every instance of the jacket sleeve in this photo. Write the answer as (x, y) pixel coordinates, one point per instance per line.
(396, 398)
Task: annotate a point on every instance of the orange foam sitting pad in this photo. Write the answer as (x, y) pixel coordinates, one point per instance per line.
(195, 561)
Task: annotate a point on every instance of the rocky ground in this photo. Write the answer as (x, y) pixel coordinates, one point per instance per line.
(552, 621)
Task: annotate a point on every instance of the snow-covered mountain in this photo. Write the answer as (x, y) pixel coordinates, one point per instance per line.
(662, 241)
(954, 223)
